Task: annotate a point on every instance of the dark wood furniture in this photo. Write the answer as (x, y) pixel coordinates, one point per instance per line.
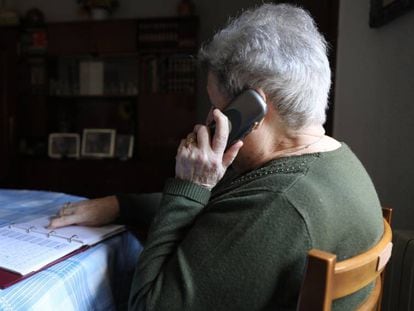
(8, 95)
(149, 91)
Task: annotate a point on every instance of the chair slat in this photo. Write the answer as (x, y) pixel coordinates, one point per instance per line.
(357, 272)
(326, 280)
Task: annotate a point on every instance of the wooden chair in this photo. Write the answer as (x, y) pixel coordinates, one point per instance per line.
(326, 280)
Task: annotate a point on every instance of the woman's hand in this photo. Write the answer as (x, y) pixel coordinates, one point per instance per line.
(203, 163)
(95, 212)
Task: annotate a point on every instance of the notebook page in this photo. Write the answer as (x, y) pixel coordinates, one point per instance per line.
(82, 234)
(24, 252)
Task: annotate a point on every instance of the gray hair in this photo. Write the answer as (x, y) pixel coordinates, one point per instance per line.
(276, 48)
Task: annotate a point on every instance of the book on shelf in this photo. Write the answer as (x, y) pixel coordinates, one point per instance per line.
(91, 78)
(173, 73)
(27, 248)
(168, 32)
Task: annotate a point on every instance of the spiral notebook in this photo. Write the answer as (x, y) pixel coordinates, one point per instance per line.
(26, 248)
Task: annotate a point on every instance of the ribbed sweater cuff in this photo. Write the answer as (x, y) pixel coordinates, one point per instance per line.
(188, 189)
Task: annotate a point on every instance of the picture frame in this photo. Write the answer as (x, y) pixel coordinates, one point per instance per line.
(98, 143)
(124, 146)
(384, 11)
(63, 145)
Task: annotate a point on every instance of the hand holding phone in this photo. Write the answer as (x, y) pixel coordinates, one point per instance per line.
(243, 113)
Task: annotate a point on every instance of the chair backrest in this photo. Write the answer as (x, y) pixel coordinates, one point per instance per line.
(326, 279)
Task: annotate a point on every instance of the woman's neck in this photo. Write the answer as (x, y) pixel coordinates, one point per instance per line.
(273, 145)
(301, 141)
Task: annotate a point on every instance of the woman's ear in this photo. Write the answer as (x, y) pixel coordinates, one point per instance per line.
(269, 103)
(263, 95)
(260, 91)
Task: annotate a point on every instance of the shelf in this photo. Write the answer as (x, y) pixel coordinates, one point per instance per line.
(165, 95)
(160, 49)
(93, 96)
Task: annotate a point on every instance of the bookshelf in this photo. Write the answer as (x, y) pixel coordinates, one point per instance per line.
(137, 77)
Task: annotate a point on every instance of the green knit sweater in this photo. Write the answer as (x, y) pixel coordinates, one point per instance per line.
(243, 246)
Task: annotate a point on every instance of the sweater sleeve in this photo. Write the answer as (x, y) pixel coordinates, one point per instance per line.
(180, 204)
(235, 254)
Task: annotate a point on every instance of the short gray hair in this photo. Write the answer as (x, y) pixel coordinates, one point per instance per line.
(276, 48)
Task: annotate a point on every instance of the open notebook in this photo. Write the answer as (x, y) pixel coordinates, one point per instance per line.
(26, 248)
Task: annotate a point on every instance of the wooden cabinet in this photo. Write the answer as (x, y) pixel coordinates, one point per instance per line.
(92, 37)
(164, 119)
(69, 38)
(8, 81)
(135, 77)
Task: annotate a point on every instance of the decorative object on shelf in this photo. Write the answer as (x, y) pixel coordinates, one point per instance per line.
(33, 41)
(7, 16)
(99, 9)
(124, 146)
(98, 143)
(37, 74)
(33, 146)
(34, 18)
(64, 145)
(91, 77)
(185, 8)
(33, 37)
(384, 11)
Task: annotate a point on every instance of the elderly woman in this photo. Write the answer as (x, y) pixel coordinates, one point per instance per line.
(231, 231)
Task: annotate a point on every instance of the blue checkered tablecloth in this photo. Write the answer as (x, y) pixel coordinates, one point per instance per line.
(96, 279)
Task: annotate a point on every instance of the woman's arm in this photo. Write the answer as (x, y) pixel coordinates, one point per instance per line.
(136, 210)
(231, 255)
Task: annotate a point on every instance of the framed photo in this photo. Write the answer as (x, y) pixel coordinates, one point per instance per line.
(124, 146)
(98, 143)
(64, 145)
(384, 11)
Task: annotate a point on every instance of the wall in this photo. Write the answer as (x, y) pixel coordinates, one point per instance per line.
(374, 102)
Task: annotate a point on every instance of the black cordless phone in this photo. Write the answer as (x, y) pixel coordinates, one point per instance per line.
(244, 112)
